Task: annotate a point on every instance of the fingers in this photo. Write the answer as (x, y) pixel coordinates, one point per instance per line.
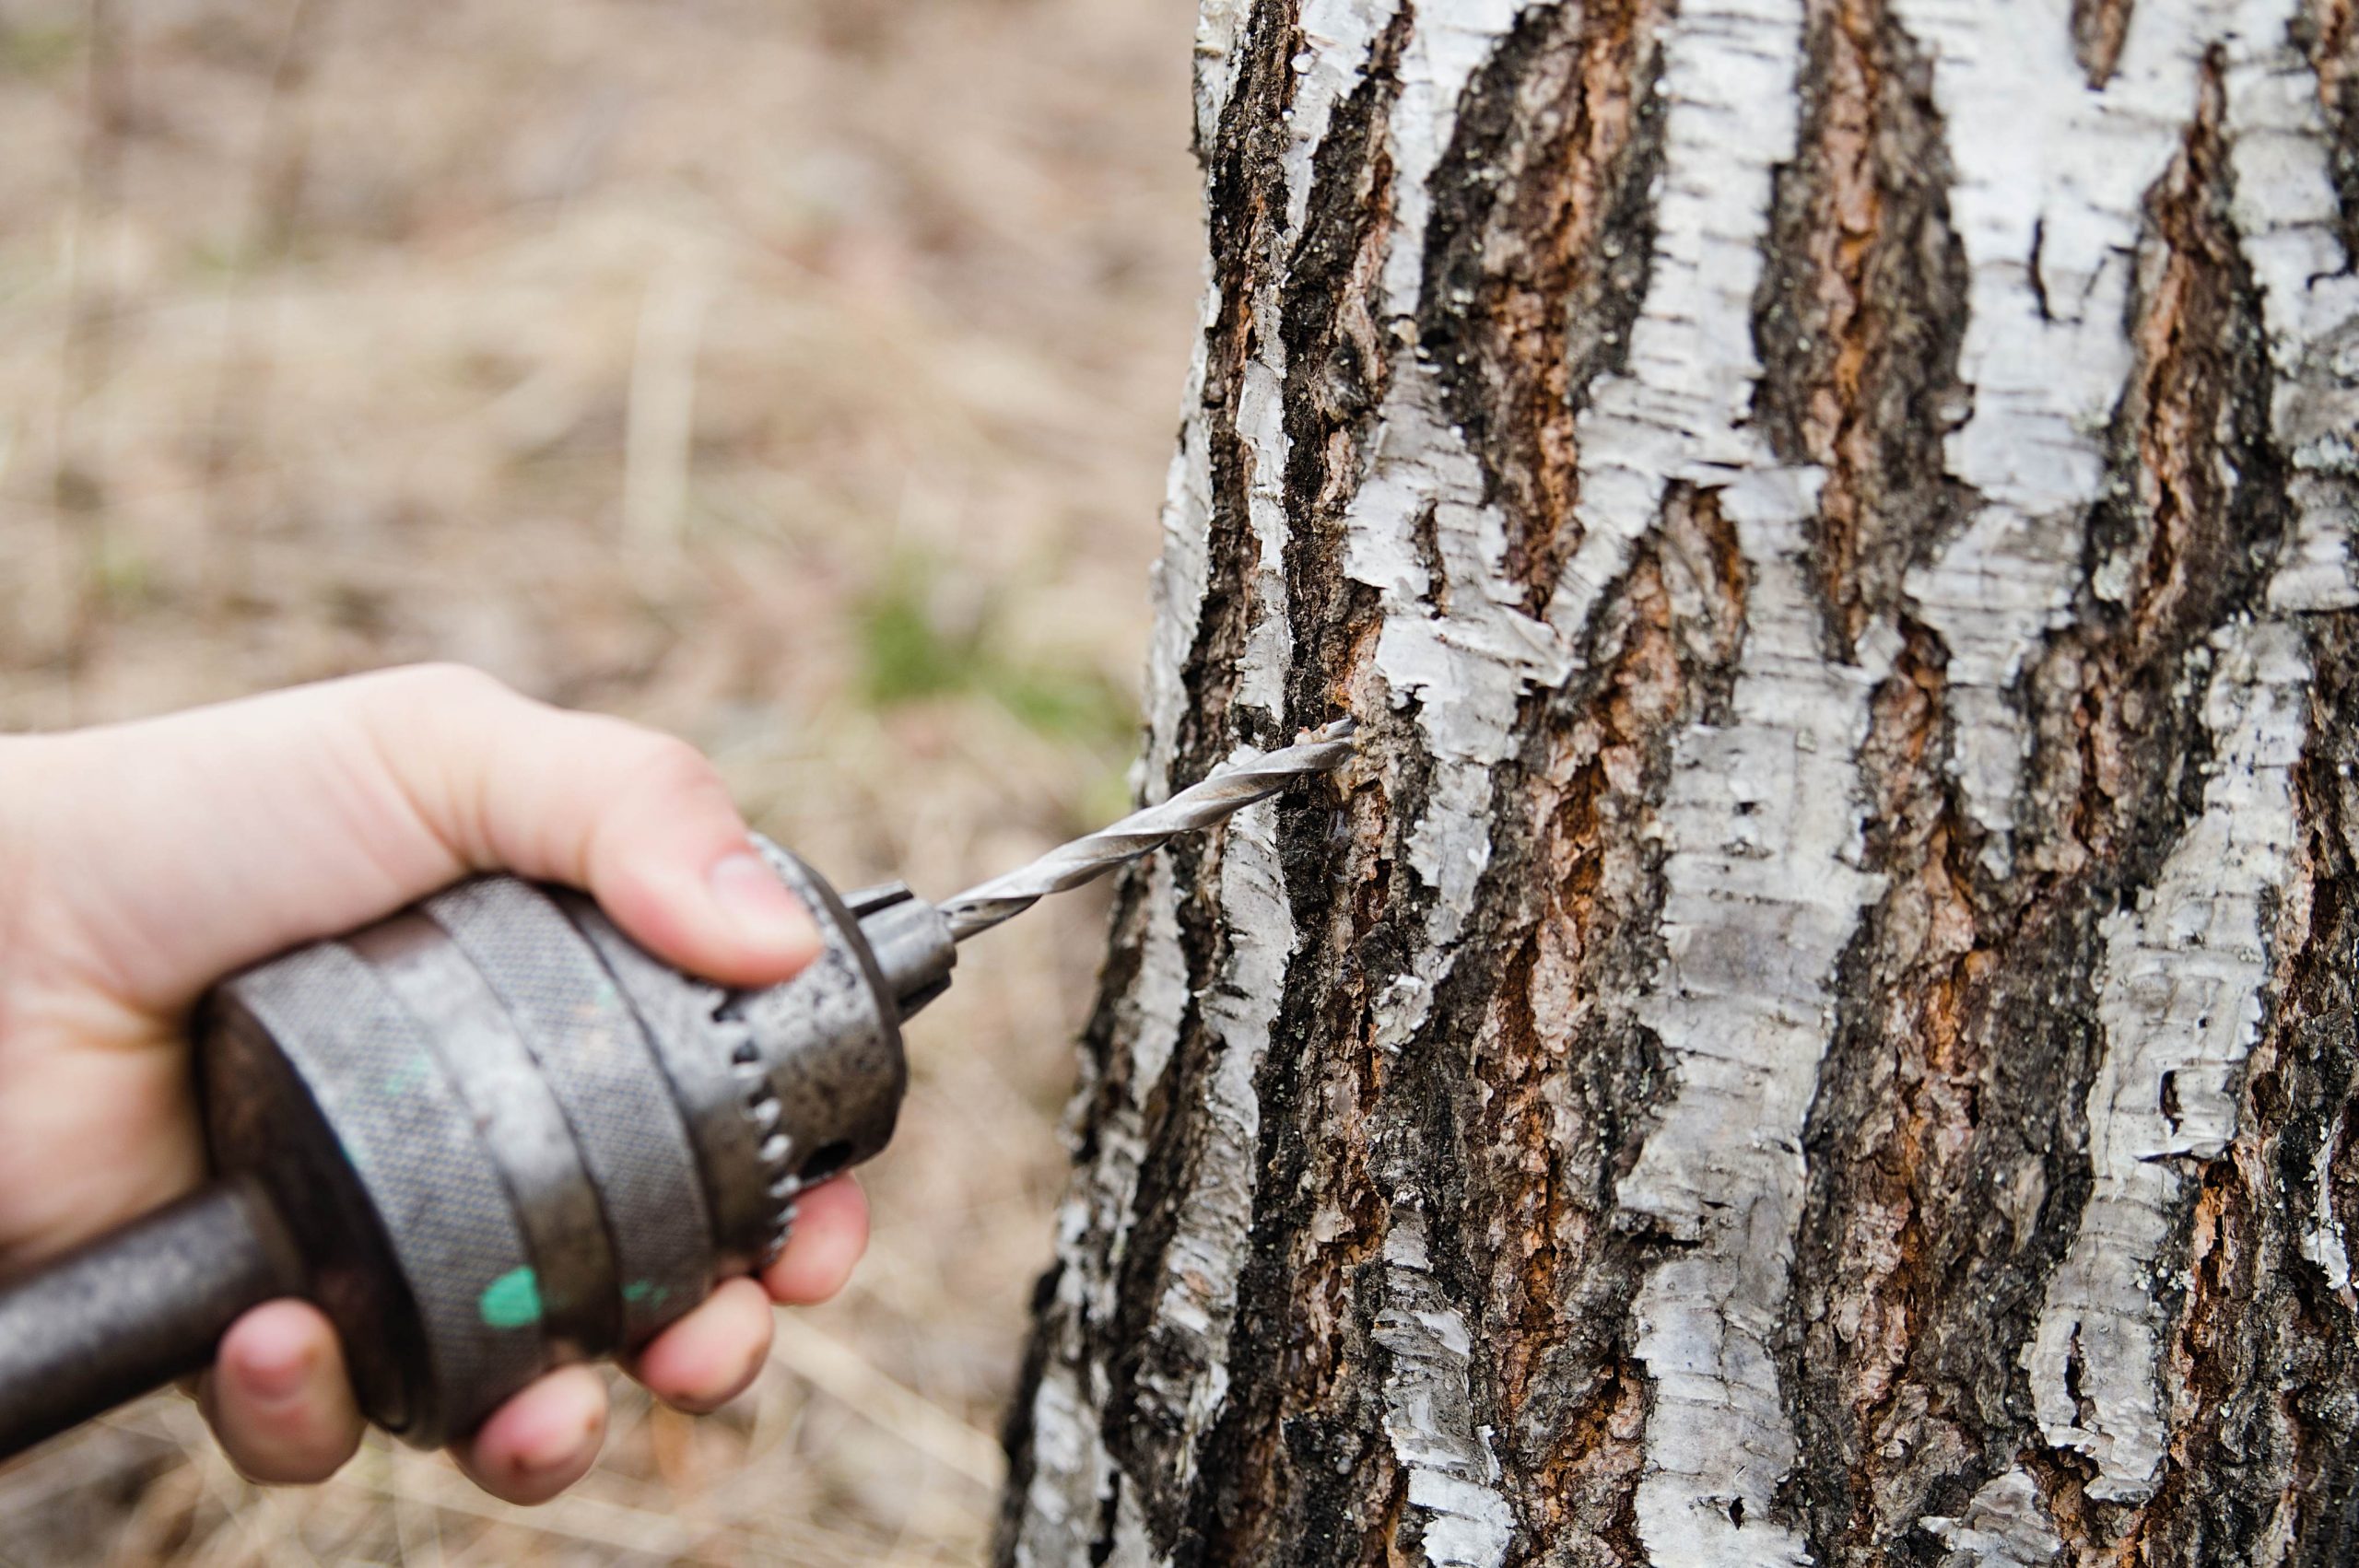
(711, 1356)
(309, 812)
(545, 1438)
(714, 1353)
(277, 1398)
(830, 1234)
(542, 1441)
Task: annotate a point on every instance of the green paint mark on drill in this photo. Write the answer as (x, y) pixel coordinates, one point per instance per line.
(646, 1291)
(410, 1075)
(512, 1300)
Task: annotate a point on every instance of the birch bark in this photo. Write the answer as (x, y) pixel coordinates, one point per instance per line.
(1819, 1029)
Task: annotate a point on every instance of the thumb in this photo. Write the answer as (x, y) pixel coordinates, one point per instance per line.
(306, 813)
(637, 818)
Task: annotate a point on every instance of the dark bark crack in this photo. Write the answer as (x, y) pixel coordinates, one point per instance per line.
(1860, 311)
(1945, 1147)
(1537, 252)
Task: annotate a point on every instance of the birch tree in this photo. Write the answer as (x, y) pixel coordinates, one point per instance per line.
(1818, 1028)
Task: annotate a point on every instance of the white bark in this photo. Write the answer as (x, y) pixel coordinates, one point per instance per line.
(1762, 823)
(1758, 819)
(2050, 180)
(2181, 1006)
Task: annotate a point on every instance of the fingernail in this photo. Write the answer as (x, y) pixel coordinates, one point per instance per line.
(760, 904)
(280, 1373)
(562, 1446)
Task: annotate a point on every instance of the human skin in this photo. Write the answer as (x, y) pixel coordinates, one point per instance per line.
(140, 863)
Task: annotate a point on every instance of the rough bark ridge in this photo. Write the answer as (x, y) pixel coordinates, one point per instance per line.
(1819, 1028)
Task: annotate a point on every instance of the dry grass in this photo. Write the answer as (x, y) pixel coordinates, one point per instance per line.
(797, 376)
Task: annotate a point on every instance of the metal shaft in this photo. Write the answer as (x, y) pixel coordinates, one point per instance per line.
(1199, 805)
(114, 1318)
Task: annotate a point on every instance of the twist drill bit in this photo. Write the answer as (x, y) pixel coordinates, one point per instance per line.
(1199, 805)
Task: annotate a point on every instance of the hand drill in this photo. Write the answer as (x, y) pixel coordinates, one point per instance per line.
(490, 1134)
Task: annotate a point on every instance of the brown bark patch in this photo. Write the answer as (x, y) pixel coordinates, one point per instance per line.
(1536, 258)
(1891, 1142)
(1860, 310)
(2262, 1370)
(1556, 1054)
(2098, 28)
(1948, 1173)
(2179, 401)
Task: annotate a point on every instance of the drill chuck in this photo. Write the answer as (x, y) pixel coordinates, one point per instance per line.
(487, 1136)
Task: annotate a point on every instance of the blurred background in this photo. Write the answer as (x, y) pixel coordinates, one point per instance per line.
(796, 375)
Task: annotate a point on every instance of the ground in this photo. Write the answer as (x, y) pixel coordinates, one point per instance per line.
(797, 376)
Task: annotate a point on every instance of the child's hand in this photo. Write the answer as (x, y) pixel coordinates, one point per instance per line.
(141, 862)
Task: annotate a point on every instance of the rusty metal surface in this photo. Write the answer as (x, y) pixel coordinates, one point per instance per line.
(595, 1058)
(824, 1053)
(694, 1045)
(431, 1185)
(522, 1125)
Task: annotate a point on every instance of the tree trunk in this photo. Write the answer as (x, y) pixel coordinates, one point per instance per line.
(1819, 1027)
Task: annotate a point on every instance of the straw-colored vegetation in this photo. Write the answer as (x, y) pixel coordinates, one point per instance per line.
(795, 374)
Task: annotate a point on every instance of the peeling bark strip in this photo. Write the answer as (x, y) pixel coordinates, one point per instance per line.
(2181, 1005)
(1819, 1027)
(2004, 1527)
(1761, 824)
(1764, 833)
(2050, 178)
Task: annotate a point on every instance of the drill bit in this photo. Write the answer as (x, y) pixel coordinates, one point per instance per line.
(1201, 804)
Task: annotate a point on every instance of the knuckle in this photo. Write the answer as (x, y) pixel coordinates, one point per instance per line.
(430, 699)
(666, 765)
(438, 683)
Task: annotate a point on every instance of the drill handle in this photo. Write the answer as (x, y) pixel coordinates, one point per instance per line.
(134, 1308)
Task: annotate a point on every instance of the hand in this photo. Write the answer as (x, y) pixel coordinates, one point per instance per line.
(141, 862)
